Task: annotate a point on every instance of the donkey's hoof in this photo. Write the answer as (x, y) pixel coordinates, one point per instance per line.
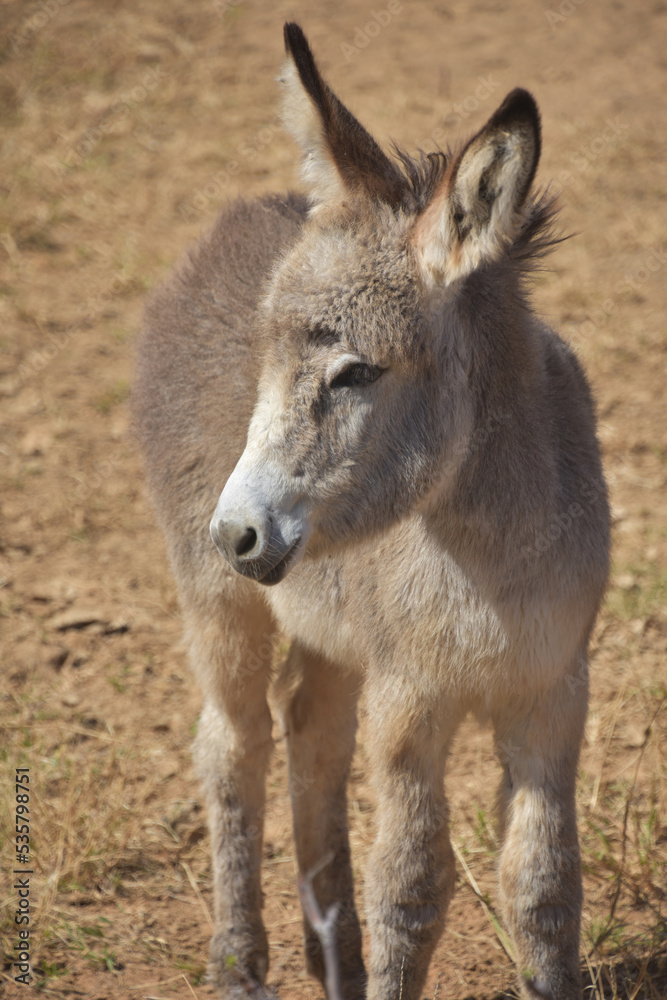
(236, 982)
(238, 978)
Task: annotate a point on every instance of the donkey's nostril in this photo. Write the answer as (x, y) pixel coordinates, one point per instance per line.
(246, 542)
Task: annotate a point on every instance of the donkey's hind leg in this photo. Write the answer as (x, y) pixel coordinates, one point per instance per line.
(230, 646)
(317, 704)
(540, 876)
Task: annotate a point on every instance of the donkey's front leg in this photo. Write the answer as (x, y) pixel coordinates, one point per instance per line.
(410, 871)
(317, 704)
(231, 652)
(540, 872)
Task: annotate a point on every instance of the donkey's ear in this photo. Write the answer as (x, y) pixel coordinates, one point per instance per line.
(339, 154)
(476, 212)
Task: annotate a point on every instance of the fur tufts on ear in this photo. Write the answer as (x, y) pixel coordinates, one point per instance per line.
(476, 212)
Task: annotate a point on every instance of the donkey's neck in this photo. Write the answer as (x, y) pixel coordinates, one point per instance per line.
(506, 467)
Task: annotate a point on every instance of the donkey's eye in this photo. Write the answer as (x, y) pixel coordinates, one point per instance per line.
(356, 375)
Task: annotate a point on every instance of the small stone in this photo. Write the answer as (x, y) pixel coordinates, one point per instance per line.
(35, 442)
(148, 55)
(53, 590)
(57, 657)
(168, 768)
(116, 628)
(195, 835)
(634, 735)
(78, 618)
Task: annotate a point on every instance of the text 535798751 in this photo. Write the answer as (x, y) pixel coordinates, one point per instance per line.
(22, 880)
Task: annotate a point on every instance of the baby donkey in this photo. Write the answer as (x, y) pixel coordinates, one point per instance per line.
(412, 492)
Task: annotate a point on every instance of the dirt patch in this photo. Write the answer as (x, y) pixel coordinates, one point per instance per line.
(124, 129)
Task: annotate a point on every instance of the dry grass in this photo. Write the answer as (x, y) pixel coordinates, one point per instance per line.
(103, 846)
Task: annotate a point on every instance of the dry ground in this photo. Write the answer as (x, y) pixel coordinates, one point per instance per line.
(119, 123)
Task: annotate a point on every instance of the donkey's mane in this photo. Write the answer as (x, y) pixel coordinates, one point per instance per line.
(539, 234)
(423, 174)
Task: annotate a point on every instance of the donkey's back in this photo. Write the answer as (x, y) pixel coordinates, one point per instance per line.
(413, 492)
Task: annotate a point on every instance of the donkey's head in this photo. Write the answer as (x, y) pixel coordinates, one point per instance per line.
(364, 405)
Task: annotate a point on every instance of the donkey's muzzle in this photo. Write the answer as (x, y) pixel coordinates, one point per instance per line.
(259, 524)
(254, 547)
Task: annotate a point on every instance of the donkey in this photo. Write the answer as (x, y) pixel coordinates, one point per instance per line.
(412, 493)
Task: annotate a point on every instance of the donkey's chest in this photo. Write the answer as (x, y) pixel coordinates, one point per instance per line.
(431, 620)
(311, 606)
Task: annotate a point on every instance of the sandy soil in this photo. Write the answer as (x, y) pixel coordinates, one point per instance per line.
(121, 124)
